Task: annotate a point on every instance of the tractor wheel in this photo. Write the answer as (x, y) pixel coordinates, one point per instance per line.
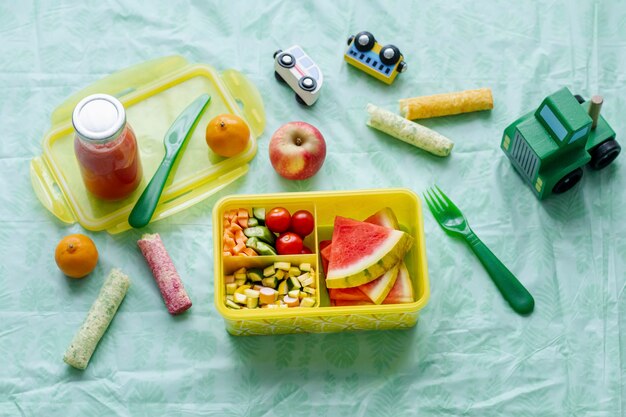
(605, 153)
(568, 181)
(580, 99)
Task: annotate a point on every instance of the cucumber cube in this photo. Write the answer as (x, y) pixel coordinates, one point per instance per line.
(252, 302)
(294, 293)
(282, 288)
(232, 304)
(307, 302)
(309, 290)
(255, 275)
(250, 293)
(231, 288)
(282, 265)
(269, 282)
(305, 267)
(280, 274)
(306, 279)
(240, 298)
(294, 283)
(294, 271)
(269, 271)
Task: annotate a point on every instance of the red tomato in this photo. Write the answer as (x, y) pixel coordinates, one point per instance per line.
(302, 223)
(278, 220)
(289, 244)
(306, 250)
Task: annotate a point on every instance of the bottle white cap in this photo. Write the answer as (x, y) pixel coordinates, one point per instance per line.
(99, 118)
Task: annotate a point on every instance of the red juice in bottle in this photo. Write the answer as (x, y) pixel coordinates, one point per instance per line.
(106, 147)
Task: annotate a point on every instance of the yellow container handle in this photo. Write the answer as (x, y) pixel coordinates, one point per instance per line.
(49, 195)
(244, 92)
(121, 83)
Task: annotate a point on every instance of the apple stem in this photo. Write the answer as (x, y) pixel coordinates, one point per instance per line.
(298, 141)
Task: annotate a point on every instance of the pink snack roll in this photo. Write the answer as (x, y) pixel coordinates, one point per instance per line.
(164, 272)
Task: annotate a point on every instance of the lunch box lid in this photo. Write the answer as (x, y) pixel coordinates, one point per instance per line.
(153, 93)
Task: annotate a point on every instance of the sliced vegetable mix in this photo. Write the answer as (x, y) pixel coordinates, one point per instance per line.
(277, 233)
(279, 285)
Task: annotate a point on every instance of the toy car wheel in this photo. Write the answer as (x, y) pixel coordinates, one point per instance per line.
(605, 153)
(307, 83)
(402, 66)
(277, 52)
(364, 41)
(568, 181)
(580, 99)
(350, 39)
(286, 60)
(299, 100)
(279, 77)
(389, 55)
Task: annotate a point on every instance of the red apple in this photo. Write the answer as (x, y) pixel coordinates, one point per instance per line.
(297, 150)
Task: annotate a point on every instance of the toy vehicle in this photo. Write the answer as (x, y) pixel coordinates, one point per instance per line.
(294, 67)
(381, 62)
(549, 147)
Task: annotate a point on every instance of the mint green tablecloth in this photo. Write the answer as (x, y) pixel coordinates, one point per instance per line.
(469, 355)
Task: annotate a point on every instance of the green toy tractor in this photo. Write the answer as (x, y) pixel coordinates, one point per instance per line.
(549, 147)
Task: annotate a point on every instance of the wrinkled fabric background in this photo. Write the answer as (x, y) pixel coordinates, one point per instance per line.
(469, 355)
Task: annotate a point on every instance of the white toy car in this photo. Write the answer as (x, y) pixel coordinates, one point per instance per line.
(294, 67)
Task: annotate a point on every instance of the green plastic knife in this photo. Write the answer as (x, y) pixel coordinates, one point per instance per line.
(173, 141)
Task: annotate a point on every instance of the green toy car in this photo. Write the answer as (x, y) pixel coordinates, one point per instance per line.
(549, 147)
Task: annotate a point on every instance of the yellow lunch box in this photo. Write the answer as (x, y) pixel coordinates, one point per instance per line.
(323, 318)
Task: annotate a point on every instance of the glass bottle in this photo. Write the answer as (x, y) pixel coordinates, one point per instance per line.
(106, 147)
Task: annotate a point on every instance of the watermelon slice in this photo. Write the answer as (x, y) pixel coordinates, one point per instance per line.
(385, 218)
(325, 253)
(378, 289)
(362, 252)
(402, 291)
(352, 294)
(324, 244)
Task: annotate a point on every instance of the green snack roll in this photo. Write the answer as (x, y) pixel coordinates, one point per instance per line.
(98, 319)
(408, 131)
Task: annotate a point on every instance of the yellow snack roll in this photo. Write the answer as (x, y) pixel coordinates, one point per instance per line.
(446, 104)
(408, 131)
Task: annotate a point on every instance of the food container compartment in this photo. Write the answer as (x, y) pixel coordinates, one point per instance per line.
(323, 317)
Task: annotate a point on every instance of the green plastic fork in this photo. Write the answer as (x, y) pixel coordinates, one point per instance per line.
(452, 220)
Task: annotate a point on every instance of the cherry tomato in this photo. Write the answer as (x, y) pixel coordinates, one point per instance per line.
(289, 244)
(302, 223)
(278, 220)
(306, 250)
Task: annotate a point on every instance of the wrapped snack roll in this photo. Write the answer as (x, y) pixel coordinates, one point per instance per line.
(164, 272)
(97, 321)
(409, 132)
(446, 104)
